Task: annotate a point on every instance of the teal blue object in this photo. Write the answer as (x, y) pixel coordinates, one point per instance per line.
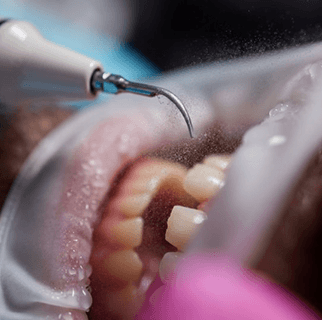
(115, 56)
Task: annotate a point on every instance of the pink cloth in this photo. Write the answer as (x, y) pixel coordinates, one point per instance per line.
(207, 287)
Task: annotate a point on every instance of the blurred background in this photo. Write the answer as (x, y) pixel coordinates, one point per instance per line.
(177, 33)
(162, 35)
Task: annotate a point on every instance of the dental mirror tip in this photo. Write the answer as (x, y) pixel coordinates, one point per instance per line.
(112, 83)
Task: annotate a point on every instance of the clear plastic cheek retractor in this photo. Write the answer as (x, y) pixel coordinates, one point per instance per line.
(33, 68)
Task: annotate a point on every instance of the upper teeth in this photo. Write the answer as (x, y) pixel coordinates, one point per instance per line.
(134, 205)
(128, 232)
(123, 266)
(122, 224)
(203, 182)
(218, 161)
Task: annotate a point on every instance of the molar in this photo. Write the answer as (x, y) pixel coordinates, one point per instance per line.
(128, 232)
(123, 265)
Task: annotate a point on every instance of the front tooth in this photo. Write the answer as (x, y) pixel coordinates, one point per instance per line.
(217, 161)
(203, 182)
(134, 205)
(167, 265)
(128, 232)
(124, 265)
(183, 223)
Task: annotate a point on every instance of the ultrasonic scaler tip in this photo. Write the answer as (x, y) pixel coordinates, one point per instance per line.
(112, 83)
(42, 70)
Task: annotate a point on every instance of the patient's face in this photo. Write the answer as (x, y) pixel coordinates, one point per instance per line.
(21, 131)
(291, 257)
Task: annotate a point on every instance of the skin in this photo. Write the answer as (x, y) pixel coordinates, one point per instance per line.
(292, 257)
(20, 133)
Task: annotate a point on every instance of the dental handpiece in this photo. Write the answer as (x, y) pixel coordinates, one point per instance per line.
(33, 68)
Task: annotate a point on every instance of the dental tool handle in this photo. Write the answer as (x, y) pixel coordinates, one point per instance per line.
(33, 68)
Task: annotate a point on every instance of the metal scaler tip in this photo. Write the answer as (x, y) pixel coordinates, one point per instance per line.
(112, 83)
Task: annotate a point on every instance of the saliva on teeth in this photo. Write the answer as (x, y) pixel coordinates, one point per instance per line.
(122, 225)
(203, 181)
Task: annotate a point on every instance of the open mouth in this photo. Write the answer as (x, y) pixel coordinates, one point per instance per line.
(166, 227)
(154, 208)
(125, 214)
(129, 222)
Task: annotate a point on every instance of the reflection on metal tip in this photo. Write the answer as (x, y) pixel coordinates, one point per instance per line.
(112, 83)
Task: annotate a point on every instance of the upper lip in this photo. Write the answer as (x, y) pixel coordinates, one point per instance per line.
(231, 211)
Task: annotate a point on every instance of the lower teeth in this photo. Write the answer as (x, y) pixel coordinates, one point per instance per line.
(183, 223)
(168, 264)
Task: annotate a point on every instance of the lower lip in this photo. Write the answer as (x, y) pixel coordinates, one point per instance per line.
(117, 159)
(108, 148)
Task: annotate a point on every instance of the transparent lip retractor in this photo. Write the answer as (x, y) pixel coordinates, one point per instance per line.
(112, 83)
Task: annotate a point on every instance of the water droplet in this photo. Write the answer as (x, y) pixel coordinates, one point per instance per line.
(72, 292)
(72, 271)
(98, 182)
(276, 110)
(86, 167)
(73, 255)
(86, 190)
(99, 171)
(81, 273)
(67, 316)
(92, 162)
(69, 193)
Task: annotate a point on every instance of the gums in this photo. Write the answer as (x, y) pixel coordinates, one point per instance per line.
(86, 182)
(155, 216)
